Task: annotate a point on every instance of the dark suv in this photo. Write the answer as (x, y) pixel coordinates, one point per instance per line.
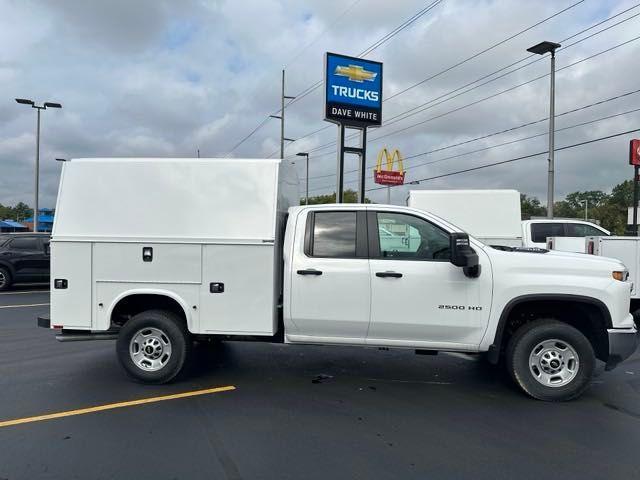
(24, 257)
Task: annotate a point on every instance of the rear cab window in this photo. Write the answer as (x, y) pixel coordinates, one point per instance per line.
(540, 231)
(336, 234)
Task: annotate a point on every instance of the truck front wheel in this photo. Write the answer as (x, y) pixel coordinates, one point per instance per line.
(550, 360)
(153, 346)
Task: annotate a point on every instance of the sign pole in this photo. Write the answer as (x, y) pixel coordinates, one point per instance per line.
(363, 164)
(340, 175)
(635, 200)
(634, 159)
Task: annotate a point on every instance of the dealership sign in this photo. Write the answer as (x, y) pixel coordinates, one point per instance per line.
(353, 90)
(389, 176)
(634, 152)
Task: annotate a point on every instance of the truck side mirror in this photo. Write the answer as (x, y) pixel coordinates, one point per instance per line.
(462, 255)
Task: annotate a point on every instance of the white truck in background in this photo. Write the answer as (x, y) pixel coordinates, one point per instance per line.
(491, 216)
(494, 218)
(155, 253)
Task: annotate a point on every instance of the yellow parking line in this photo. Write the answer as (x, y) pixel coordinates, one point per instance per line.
(27, 305)
(111, 406)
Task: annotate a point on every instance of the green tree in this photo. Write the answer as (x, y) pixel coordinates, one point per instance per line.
(5, 212)
(564, 209)
(622, 194)
(530, 207)
(350, 196)
(22, 211)
(594, 198)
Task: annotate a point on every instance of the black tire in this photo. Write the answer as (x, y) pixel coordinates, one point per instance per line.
(5, 279)
(529, 337)
(164, 328)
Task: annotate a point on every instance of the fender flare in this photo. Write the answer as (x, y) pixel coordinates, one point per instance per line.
(152, 291)
(494, 349)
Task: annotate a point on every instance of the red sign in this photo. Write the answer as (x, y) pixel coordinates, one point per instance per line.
(389, 176)
(634, 152)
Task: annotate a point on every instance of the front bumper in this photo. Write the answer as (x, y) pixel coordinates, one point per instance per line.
(622, 343)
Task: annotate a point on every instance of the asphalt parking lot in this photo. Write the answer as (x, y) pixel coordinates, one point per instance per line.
(296, 413)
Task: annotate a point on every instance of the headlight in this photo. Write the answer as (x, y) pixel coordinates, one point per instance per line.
(620, 275)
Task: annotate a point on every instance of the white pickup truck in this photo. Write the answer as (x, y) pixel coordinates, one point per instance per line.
(157, 252)
(494, 218)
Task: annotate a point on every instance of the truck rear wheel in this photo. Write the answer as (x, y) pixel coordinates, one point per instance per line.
(153, 346)
(550, 360)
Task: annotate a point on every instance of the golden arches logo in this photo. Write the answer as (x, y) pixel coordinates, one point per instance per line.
(389, 160)
(389, 176)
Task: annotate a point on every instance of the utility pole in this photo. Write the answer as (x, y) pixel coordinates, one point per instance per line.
(283, 97)
(24, 101)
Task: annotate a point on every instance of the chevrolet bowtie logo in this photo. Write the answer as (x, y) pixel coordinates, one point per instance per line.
(356, 73)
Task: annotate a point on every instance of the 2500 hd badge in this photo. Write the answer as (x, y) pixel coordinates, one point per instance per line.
(459, 307)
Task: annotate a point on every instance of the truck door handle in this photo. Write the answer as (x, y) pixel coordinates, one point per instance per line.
(309, 271)
(389, 274)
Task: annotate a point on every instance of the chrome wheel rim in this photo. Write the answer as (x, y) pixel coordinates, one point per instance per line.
(150, 349)
(554, 363)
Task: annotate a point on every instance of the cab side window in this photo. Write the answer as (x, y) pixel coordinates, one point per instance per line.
(583, 230)
(403, 236)
(540, 231)
(24, 243)
(333, 235)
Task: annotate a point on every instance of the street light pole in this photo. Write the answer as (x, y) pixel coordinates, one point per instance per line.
(541, 49)
(44, 106)
(305, 154)
(36, 210)
(552, 134)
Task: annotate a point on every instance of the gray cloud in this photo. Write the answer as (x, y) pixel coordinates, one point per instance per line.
(161, 78)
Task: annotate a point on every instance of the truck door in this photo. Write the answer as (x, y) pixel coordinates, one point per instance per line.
(330, 279)
(418, 297)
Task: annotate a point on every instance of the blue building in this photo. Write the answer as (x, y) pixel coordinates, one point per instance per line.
(45, 220)
(12, 226)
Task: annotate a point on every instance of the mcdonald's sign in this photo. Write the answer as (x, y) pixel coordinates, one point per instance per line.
(634, 152)
(389, 176)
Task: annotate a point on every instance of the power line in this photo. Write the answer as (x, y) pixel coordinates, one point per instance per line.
(489, 75)
(368, 50)
(416, 110)
(500, 132)
(544, 134)
(507, 130)
(332, 24)
(481, 52)
(490, 147)
(378, 43)
(462, 107)
(566, 147)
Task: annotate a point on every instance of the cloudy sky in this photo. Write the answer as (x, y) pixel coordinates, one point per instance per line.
(166, 78)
